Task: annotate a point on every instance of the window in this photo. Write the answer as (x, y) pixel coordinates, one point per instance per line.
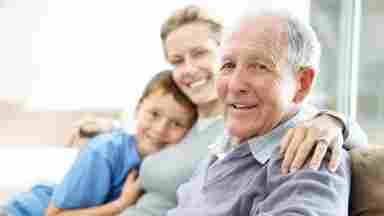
(350, 32)
(370, 108)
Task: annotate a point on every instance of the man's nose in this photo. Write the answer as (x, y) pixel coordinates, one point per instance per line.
(238, 83)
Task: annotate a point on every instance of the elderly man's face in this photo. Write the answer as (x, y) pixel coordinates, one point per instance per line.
(255, 83)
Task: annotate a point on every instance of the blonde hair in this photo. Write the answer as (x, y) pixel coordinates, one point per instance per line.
(188, 15)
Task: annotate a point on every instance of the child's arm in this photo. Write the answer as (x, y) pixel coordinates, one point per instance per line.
(88, 182)
(111, 208)
(129, 195)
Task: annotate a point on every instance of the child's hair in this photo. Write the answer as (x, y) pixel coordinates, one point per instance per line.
(163, 82)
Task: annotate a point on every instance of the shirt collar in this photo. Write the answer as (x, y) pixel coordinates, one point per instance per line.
(261, 147)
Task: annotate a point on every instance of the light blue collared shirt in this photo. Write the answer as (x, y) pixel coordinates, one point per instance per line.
(261, 146)
(247, 180)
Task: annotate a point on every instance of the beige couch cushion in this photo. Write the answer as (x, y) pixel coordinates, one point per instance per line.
(367, 192)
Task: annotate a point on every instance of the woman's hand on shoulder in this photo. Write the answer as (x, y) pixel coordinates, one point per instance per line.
(309, 142)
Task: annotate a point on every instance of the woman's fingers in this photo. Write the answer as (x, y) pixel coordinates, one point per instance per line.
(309, 142)
(318, 155)
(337, 146)
(286, 140)
(305, 149)
(297, 138)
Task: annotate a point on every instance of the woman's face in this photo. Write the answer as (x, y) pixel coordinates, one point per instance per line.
(193, 53)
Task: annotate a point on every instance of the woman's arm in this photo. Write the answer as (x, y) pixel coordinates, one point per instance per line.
(129, 195)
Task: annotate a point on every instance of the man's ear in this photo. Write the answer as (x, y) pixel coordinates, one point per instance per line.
(304, 79)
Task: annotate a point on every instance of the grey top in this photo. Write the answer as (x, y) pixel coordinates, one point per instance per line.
(248, 181)
(162, 173)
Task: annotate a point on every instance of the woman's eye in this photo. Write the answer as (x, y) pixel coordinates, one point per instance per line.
(176, 61)
(227, 66)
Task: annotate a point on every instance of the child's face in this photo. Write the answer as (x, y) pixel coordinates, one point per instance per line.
(161, 121)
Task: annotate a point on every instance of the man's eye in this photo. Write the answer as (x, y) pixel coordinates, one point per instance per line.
(259, 67)
(262, 67)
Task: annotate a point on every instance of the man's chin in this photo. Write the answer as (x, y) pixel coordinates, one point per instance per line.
(239, 132)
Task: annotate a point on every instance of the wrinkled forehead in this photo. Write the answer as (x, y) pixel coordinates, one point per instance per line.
(264, 35)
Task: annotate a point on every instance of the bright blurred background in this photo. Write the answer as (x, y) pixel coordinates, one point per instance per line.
(65, 60)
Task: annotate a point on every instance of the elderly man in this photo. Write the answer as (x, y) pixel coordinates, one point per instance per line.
(269, 63)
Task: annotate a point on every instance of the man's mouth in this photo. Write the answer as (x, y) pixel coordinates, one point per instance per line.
(242, 106)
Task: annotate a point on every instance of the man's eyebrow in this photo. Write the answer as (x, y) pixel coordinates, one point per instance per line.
(268, 59)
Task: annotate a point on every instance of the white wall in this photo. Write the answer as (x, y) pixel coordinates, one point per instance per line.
(18, 20)
(18, 127)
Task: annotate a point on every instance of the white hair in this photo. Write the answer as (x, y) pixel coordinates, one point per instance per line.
(304, 48)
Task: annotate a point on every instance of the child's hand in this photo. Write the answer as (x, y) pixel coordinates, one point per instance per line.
(131, 190)
(87, 128)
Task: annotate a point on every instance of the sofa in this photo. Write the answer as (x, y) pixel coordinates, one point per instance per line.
(367, 188)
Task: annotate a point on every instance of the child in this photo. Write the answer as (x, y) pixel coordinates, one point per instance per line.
(96, 179)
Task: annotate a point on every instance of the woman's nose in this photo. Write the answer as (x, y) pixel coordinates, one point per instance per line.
(189, 67)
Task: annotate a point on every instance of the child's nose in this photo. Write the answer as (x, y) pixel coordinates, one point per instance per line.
(160, 127)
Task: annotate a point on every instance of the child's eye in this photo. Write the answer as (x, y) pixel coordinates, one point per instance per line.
(155, 114)
(176, 124)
